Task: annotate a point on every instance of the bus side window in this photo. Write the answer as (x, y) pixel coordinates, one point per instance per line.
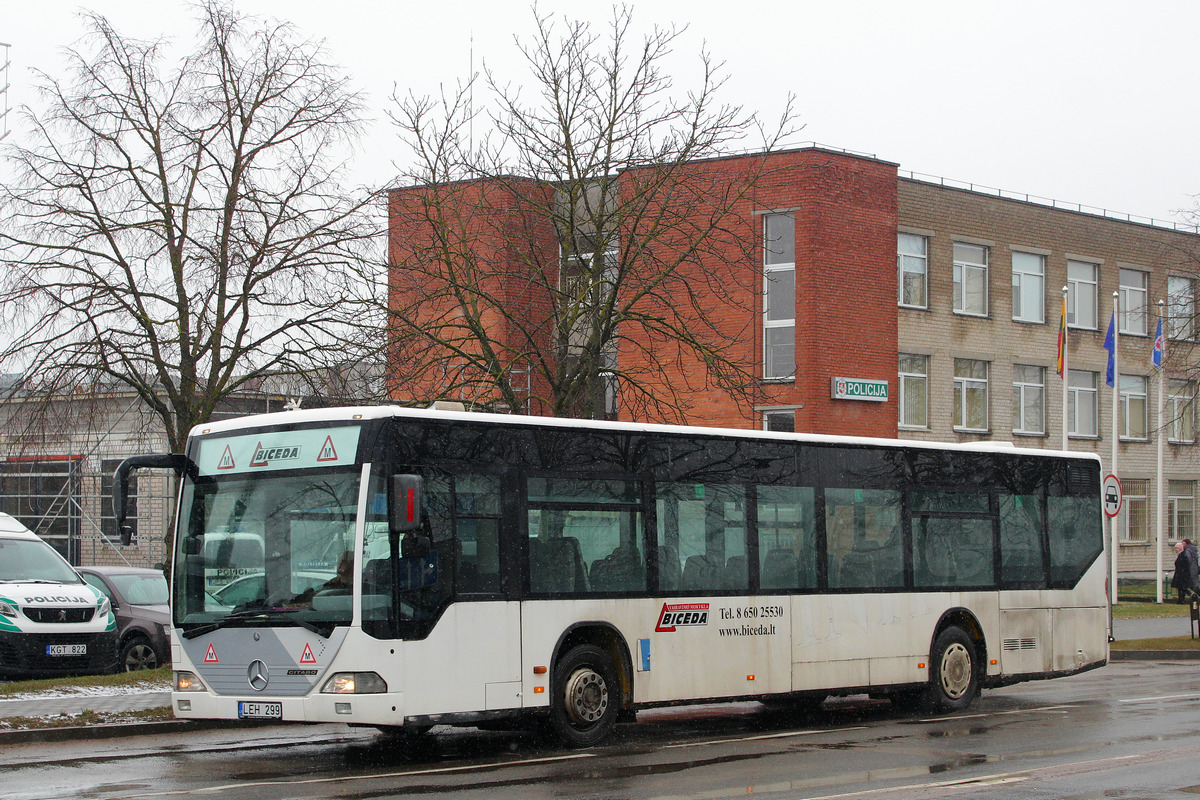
(706, 525)
(787, 540)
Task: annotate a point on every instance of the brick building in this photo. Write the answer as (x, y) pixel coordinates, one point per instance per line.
(939, 308)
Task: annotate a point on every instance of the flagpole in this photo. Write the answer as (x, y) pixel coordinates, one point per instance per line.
(1066, 372)
(1158, 352)
(1116, 406)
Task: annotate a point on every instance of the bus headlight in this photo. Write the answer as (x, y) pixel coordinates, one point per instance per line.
(187, 682)
(354, 683)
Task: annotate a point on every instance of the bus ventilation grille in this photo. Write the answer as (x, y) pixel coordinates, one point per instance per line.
(1028, 643)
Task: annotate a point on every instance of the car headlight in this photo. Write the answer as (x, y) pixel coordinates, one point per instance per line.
(7, 609)
(354, 683)
(104, 607)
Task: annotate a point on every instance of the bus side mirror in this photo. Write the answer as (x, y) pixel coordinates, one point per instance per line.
(175, 461)
(404, 506)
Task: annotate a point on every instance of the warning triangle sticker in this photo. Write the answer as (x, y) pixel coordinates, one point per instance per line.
(257, 461)
(328, 453)
(211, 656)
(307, 657)
(226, 461)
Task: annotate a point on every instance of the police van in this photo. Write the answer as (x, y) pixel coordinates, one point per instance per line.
(51, 621)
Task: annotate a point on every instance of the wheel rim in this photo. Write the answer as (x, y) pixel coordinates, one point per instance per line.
(956, 671)
(586, 697)
(140, 656)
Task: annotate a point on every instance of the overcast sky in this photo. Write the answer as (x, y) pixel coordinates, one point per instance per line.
(1083, 101)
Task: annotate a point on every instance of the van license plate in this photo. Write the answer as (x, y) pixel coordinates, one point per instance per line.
(259, 710)
(66, 649)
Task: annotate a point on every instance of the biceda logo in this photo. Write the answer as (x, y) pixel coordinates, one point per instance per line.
(265, 455)
(681, 614)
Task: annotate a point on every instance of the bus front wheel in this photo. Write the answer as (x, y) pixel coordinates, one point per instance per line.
(954, 671)
(586, 698)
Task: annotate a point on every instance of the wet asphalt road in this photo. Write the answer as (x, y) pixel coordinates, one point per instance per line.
(1129, 730)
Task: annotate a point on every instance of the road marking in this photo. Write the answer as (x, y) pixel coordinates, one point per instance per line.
(762, 736)
(1037, 710)
(1161, 697)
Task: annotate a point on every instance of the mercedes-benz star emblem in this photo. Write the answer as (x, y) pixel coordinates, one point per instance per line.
(257, 675)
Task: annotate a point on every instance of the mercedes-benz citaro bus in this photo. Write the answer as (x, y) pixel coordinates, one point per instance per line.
(51, 621)
(483, 568)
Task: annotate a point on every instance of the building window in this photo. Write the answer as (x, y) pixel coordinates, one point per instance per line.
(1181, 415)
(1181, 308)
(1133, 406)
(1081, 403)
(1082, 283)
(1134, 524)
(780, 421)
(1133, 301)
(914, 391)
(1181, 499)
(911, 261)
(1029, 399)
(970, 394)
(1029, 280)
(970, 279)
(779, 295)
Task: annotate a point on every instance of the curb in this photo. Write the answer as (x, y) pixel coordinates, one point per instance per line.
(1153, 655)
(116, 730)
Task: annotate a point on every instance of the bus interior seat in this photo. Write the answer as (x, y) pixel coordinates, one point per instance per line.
(622, 570)
(737, 573)
(780, 570)
(556, 565)
(701, 574)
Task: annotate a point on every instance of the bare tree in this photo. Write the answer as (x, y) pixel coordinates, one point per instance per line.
(178, 229)
(575, 250)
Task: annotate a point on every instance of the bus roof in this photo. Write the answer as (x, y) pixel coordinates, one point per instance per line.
(361, 413)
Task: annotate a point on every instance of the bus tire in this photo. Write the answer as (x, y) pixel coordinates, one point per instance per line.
(586, 697)
(954, 671)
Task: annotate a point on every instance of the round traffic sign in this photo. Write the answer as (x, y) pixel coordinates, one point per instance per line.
(1110, 490)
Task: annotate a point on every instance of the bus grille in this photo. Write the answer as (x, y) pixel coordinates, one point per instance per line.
(42, 614)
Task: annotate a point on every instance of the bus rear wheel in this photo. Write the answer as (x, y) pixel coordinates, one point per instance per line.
(586, 697)
(954, 671)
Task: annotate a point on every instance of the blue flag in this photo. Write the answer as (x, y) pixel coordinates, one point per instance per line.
(1157, 354)
(1110, 345)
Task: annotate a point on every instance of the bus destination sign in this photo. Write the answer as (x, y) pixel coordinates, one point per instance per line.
(274, 450)
(859, 389)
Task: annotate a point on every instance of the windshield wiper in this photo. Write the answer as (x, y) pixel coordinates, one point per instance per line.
(264, 614)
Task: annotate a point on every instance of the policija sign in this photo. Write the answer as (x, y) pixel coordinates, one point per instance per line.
(859, 389)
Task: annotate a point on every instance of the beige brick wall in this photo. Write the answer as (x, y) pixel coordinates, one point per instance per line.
(946, 215)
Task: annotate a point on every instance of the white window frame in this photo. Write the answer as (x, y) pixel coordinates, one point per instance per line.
(1136, 492)
(781, 413)
(965, 388)
(1082, 293)
(1181, 309)
(915, 264)
(1134, 398)
(1078, 394)
(1023, 387)
(774, 328)
(1029, 280)
(964, 270)
(909, 382)
(1181, 493)
(1134, 289)
(1181, 411)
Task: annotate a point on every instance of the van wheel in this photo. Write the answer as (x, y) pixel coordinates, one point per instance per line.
(137, 653)
(954, 671)
(585, 697)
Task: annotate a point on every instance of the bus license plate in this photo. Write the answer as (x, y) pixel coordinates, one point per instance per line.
(259, 710)
(66, 649)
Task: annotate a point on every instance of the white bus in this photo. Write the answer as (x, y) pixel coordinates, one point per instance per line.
(501, 567)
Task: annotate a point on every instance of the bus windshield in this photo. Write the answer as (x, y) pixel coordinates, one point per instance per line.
(272, 542)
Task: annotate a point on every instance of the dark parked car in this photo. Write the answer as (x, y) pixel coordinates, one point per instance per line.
(139, 600)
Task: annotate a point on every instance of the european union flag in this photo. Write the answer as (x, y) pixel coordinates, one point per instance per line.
(1110, 345)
